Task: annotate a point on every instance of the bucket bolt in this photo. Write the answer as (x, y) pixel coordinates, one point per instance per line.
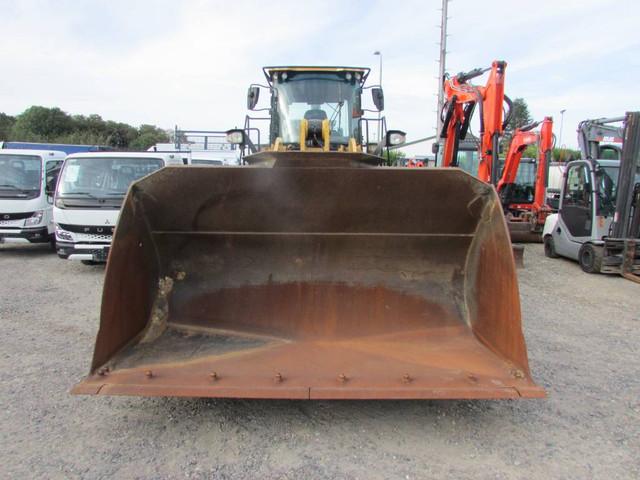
(214, 376)
(342, 378)
(148, 374)
(406, 378)
(279, 378)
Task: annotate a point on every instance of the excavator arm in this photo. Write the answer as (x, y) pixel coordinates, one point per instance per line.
(592, 133)
(462, 98)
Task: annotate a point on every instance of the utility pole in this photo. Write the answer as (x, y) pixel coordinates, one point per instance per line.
(442, 64)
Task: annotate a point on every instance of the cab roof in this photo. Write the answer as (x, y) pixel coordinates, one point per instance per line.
(269, 71)
(125, 155)
(53, 154)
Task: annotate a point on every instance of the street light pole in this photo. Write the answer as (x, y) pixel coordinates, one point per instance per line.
(561, 124)
(379, 53)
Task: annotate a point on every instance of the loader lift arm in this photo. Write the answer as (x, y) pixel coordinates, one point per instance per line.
(462, 98)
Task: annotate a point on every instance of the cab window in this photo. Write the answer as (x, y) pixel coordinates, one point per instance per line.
(578, 189)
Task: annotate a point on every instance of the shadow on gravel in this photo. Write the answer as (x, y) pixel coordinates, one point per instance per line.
(26, 251)
(264, 414)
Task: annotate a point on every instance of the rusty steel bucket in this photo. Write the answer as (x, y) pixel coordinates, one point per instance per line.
(318, 282)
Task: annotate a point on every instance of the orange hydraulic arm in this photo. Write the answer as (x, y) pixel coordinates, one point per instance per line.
(522, 138)
(462, 98)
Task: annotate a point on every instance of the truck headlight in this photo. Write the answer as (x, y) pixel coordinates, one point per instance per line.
(34, 219)
(63, 234)
(59, 203)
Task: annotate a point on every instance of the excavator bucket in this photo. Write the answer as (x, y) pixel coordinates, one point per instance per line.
(318, 282)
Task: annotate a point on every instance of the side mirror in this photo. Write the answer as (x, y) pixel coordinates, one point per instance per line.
(395, 137)
(236, 136)
(51, 181)
(378, 98)
(435, 148)
(253, 94)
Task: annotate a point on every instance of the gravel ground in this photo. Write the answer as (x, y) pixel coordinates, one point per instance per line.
(583, 335)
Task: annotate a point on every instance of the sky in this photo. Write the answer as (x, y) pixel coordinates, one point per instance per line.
(189, 63)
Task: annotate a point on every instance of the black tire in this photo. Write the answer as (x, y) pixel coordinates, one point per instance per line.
(52, 243)
(549, 247)
(88, 262)
(590, 258)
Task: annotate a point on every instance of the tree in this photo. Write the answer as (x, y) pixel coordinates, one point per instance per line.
(148, 135)
(52, 125)
(6, 123)
(41, 124)
(520, 115)
(393, 158)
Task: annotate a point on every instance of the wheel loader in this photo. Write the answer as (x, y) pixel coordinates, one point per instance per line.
(312, 271)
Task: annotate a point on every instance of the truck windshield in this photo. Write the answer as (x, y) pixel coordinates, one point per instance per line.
(20, 176)
(317, 96)
(104, 176)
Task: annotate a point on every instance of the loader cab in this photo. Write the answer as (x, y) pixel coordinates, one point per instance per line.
(317, 109)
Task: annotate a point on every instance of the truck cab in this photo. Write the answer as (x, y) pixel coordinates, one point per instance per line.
(89, 195)
(25, 196)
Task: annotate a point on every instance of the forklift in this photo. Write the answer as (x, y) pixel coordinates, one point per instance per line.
(598, 223)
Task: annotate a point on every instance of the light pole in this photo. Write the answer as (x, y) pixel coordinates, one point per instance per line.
(379, 53)
(561, 124)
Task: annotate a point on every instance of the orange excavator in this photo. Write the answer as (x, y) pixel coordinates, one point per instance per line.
(462, 99)
(525, 207)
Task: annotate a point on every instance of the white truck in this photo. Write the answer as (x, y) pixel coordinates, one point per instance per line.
(89, 195)
(26, 194)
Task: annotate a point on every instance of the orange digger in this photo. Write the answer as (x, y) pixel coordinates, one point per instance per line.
(525, 206)
(462, 99)
(312, 271)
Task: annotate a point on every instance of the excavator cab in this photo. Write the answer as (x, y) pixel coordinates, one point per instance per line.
(311, 271)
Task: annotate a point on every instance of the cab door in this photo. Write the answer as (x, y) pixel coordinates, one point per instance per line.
(576, 210)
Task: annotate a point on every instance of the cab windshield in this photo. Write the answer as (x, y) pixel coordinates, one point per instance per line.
(104, 176)
(607, 185)
(20, 176)
(317, 96)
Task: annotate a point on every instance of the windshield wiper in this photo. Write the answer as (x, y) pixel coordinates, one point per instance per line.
(10, 186)
(120, 194)
(84, 194)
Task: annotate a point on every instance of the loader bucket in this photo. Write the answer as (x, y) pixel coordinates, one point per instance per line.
(325, 282)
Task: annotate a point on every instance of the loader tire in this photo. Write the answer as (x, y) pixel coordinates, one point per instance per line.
(590, 258)
(549, 247)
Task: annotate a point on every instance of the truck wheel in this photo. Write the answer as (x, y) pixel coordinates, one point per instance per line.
(590, 258)
(88, 262)
(549, 247)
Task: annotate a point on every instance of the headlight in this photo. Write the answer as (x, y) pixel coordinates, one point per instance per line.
(34, 219)
(236, 137)
(63, 234)
(395, 137)
(59, 203)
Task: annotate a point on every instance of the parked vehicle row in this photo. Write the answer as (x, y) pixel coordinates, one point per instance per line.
(73, 201)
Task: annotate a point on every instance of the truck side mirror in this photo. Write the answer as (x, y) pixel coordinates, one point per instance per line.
(378, 98)
(253, 94)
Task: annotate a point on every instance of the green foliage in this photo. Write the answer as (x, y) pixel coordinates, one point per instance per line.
(6, 123)
(393, 157)
(52, 125)
(565, 154)
(520, 115)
